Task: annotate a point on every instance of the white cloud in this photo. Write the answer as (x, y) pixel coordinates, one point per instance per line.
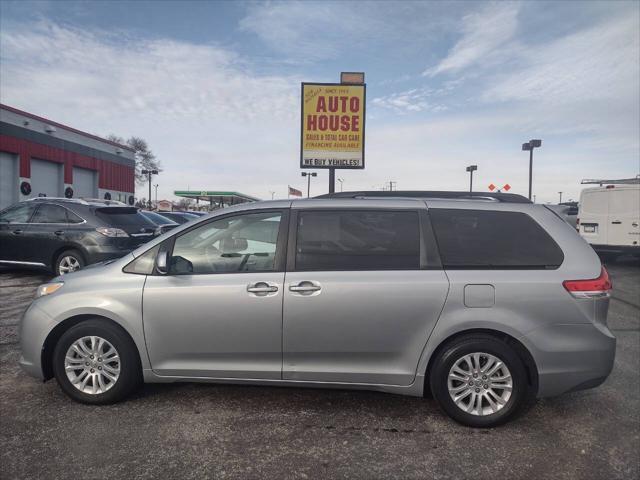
(483, 33)
(410, 101)
(211, 121)
(598, 63)
(308, 31)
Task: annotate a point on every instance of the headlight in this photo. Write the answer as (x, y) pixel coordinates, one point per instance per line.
(112, 232)
(48, 289)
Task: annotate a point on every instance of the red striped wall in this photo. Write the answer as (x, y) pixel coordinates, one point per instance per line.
(111, 176)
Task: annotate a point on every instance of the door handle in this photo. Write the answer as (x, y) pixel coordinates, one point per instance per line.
(616, 222)
(305, 287)
(17, 231)
(59, 232)
(262, 288)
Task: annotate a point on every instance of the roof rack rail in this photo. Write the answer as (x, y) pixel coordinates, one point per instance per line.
(620, 181)
(56, 199)
(495, 197)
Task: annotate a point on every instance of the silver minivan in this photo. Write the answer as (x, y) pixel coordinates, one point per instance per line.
(485, 302)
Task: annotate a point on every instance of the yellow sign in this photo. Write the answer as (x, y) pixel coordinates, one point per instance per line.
(332, 126)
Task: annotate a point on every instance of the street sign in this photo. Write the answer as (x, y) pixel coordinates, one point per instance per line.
(332, 126)
(506, 187)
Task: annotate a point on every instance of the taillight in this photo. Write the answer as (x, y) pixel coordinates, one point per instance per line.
(593, 288)
(112, 232)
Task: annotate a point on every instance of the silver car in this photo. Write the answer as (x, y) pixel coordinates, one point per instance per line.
(485, 302)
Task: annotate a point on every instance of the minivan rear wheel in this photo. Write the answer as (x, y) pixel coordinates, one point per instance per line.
(480, 381)
(96, 362)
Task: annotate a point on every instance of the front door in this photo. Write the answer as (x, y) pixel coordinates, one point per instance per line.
(218, 311)
(362, 296)
(14, 224)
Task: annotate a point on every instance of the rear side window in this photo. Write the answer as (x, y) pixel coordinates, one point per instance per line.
(50, 214)
(483, 239)
(358, 240)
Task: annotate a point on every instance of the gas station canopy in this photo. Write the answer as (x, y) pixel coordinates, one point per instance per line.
(217, 198)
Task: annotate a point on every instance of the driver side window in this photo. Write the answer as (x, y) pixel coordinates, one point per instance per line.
(244, 243)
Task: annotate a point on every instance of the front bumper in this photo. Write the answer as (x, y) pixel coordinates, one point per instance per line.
(571, 357)
(34, 327)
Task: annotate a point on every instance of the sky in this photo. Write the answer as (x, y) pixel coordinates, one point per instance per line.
(214, 87)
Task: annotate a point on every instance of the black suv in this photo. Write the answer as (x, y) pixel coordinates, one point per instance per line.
(64, 235)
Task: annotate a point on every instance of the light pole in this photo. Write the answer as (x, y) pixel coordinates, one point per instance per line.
(529, 146)
(149, 173)
(156, 186)
(309, 175)
(471, 169)
(560, 201)
(272, 194)
(341, 180)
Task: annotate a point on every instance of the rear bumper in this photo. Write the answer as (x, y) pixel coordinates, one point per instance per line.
(571, 357)
(111, 248)
(101, 253)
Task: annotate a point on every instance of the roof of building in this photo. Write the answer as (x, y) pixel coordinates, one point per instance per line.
(65, 127)
(217, 196)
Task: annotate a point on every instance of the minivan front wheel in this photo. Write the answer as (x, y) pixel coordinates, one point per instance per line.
(480, 381)
(96, 362)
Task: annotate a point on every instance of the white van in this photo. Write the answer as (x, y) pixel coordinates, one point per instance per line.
(609, 218)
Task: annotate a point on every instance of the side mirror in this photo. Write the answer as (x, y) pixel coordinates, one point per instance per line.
(161, 262)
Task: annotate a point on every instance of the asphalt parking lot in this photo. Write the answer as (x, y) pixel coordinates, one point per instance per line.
(218, 431)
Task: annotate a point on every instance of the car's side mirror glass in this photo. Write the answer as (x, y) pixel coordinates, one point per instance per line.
(161, 262)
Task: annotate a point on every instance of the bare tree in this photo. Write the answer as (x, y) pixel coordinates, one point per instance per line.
(145, 159)
(184, 204)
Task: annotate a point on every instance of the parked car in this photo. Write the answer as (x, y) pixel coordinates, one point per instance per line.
(179, 217)
(197, 213)
(163, 223)
(486, 302)
(63, 235)
(609, 219)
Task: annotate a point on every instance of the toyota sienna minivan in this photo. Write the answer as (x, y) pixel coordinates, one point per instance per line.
(484, 301)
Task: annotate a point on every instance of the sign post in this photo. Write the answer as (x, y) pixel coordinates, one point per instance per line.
(332, 125)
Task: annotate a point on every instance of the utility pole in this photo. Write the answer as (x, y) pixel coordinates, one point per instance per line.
(309, 175)
(471, 169)
(529, 146)
(149, 173)
(560, 201)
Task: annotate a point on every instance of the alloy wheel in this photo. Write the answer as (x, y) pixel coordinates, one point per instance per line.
(68, 264)
(480, 384)
(92, 365)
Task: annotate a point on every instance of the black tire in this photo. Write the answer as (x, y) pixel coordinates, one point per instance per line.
(522, 394)
(68, 253)
(130, 369)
